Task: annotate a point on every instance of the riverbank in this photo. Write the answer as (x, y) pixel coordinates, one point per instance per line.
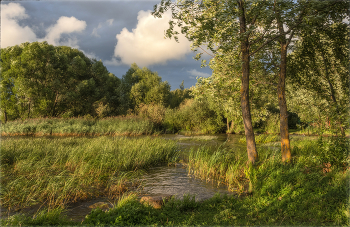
(311, 190)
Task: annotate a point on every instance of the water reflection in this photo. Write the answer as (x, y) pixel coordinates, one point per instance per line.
(174, 180)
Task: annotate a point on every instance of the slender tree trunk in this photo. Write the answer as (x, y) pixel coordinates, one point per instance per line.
(285, 144)
(248, 127)
(29, 109)
(227, 126)
(5, 116)
(54, 106)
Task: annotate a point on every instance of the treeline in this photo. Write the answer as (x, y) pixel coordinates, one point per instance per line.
(42, 80)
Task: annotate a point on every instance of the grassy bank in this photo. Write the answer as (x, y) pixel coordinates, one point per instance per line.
(311, 190)
(55, 172)
(130, 125)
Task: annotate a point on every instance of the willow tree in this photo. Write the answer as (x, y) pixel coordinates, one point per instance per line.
(319, 64)
(239, 27)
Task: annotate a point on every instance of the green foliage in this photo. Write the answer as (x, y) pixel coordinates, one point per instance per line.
(130, 125)
(318, 71)
(41, 80)
(193, 115)
(63, 170)
(155, 113)
(53, 217)
(177, 96)
(272, 124)
(128, 212)
(142, 86)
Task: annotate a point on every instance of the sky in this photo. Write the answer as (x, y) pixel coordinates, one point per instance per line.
(117, 32)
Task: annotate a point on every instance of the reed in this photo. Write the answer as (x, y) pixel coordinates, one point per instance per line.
(221, 165)
(63, 170)
(264, 138)
(129, 125)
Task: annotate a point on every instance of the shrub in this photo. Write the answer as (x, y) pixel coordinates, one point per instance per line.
(193, 115)
(153, 112)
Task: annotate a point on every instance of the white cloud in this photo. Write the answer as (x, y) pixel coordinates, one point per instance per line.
(146, 44)
(196, 73)
(110, 21)
(64, 25)
(11, 32)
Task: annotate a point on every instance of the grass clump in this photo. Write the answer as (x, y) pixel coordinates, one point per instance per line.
(59, 171)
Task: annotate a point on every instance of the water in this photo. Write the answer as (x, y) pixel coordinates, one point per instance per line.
(175, 181)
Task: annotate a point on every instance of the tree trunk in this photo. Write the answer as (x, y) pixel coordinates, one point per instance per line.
(248, 127)
(29, 109)
(5, 116)
(231, 127)
(285, 144)
(227, 126)
(54, 106)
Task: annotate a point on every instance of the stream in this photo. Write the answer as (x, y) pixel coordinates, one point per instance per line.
(165, 180)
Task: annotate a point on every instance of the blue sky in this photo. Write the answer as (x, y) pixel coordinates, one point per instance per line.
(117, 32)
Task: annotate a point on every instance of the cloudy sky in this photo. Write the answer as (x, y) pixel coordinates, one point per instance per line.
(117, 32)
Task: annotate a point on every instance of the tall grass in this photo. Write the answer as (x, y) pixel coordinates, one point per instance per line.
(59, 171)
(313, 188)
(263, 138)
(130, 125)
(222, 165)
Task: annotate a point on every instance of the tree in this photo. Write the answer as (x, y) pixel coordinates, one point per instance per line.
(291, 17)
(319, 71)
(142, 86)
(41, 80)
(239, 27)
(177, 96)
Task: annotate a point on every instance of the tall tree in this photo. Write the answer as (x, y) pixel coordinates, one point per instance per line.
(239, 27)
(41, 80)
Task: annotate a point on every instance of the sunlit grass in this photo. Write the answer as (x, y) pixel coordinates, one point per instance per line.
(312, 190)
(263, 138)
(130, 125)
(59, 171)
(199, 138)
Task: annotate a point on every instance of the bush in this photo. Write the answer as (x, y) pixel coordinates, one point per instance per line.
(272, 124)
(193, 115)
(153, 112)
